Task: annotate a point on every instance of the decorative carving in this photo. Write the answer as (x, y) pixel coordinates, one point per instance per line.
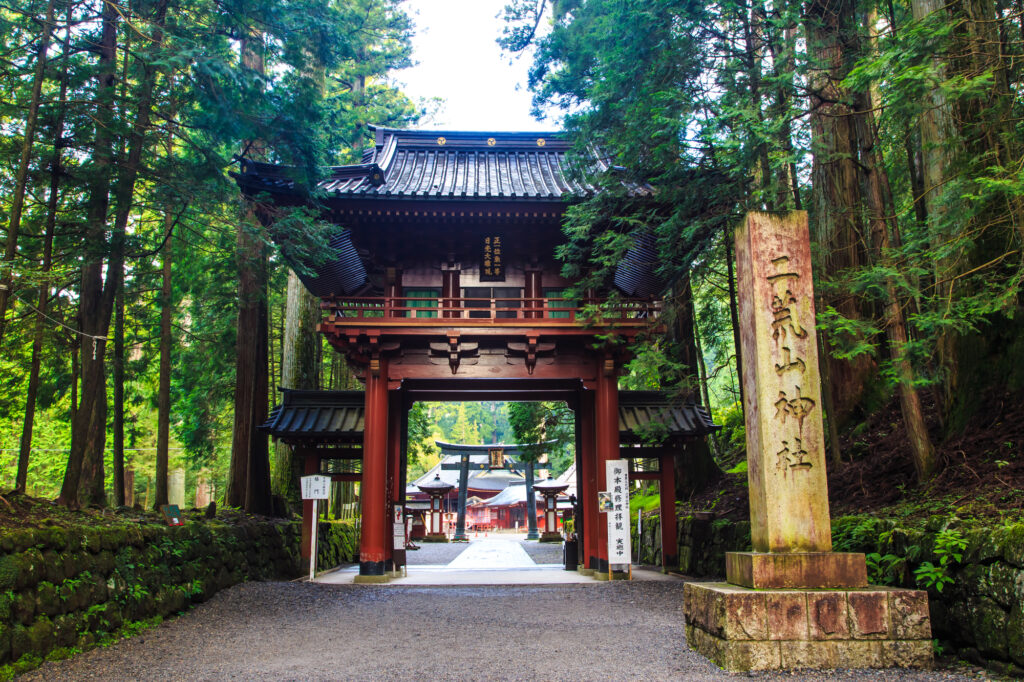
(455, 352)
(531, 350)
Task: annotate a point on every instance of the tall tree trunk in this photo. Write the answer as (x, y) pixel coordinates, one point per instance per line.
(90, 415)
(298, 370)
(249, 476)
(833, 46)
(21, 177)
(52, 201)
(117, 367)
(163, 428)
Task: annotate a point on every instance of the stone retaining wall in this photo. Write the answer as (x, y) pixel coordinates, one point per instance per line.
(67, 587)
(979, 616)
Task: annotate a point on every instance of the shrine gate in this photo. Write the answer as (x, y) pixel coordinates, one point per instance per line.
(444, 286)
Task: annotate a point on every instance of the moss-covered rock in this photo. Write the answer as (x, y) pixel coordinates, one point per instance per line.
(48, 601)
(40, 636)
(23, 609)
(1013, 545)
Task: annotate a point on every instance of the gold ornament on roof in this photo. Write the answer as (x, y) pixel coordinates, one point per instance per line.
(441, 141)
(541, 142)
(491, 142)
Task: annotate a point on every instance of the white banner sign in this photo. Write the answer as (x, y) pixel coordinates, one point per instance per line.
(316, 487)
(617, 479)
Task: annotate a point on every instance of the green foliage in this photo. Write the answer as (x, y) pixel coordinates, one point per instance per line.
(949, 548)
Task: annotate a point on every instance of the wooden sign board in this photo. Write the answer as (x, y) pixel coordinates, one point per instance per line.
(617, 477)
(492, 265)
(316, 487)
(172, 515)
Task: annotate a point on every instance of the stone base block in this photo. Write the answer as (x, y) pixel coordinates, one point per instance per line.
(371, 579)
(801, 570)
(551, 537)
(434, 537)
(744, 629)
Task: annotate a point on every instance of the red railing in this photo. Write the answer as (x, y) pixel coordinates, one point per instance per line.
(488, 311)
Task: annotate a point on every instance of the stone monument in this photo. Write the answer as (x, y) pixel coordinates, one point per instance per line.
(793, 602)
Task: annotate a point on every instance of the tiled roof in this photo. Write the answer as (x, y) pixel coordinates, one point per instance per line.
(449, 165)
(638, 409)
(318, 417)
(479, 479)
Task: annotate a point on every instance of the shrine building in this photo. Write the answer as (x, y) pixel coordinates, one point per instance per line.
(443, 286)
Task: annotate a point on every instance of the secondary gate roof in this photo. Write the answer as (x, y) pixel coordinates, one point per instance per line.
(310, 417)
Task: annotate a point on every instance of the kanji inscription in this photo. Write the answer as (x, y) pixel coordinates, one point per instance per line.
(782, 392)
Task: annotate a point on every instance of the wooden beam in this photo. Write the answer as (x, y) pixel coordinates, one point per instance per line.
(328, 453)
(351, 478)
(645, 452)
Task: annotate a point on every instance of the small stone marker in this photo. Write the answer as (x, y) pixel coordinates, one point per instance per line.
(792, 602)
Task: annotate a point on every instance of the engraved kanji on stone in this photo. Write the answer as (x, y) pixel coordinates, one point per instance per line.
(785, 320)
(789, 362)
(797, 407)
(794, 456)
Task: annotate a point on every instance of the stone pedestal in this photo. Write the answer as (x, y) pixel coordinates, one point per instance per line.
(810, 570)
(742, 629)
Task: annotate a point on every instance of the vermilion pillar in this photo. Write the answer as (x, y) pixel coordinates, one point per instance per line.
(310, 466)
(373, 491)
(532, 290)
(587, 482)
(607, 442)
(394, 469)
(667, 490)
(450, 290)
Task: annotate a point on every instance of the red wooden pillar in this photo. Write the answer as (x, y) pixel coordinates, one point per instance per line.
(394, 470)
(373, 491)
(310, 466)
(450, 290)
(667, 491)
(533, 293)
(607, 441)
(588, 482)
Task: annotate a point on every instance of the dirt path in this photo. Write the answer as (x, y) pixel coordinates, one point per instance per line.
(299, 631)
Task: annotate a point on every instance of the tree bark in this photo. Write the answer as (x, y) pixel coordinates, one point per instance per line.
(163, 428)
(298, 370)
(734, 314)
(249, 474)
(90, 416)
(21, 178)
(42, 304)
(833, 46)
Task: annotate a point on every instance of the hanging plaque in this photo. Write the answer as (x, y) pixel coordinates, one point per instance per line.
(492, 262)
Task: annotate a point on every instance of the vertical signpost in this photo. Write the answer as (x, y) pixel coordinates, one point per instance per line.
(620, 552)
(398, 535)
(315, 488)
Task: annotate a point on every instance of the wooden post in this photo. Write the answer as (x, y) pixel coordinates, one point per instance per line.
(587, 482)
(310, 466)
(450, 290)
(373, 537)
(607, 440)
(667, 490)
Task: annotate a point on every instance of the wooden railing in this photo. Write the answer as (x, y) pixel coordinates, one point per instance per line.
(488, 311)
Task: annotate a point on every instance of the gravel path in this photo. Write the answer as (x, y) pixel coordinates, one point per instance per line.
(431, 553)
(301, 631)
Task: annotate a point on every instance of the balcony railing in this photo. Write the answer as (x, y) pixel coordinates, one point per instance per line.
(438, 311)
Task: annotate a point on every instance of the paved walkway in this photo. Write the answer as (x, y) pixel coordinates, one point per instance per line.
(495, 559)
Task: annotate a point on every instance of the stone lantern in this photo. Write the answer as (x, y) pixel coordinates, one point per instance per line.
(550, 489)
(437, 489)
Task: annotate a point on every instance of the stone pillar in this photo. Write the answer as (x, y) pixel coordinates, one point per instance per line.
(176, 488)
(792, 602)
(373, 491)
